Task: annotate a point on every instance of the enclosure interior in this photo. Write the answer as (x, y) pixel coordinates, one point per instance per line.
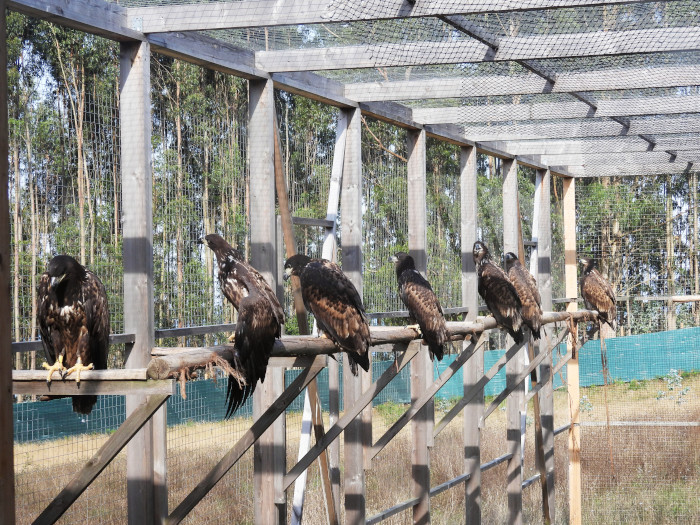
(605, 93)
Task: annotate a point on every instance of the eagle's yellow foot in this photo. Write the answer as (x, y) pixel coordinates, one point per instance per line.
(232, 338)
(56, 367)
(415, 327)
(323, 335)
(77, 369)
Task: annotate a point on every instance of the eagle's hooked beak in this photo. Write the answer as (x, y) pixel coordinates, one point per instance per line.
(202, 241)
(287, 274)
(55, 281)
(394, 259)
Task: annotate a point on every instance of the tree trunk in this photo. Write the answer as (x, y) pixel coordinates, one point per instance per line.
(17, 247)
(694, 245)
(670, 307)
(178, 196)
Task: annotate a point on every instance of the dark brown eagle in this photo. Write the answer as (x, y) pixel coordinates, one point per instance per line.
(73, 318)
(498, 292)
(260, 319)
(529, 295)
(597, 293)
(333, 300)
(422, 303)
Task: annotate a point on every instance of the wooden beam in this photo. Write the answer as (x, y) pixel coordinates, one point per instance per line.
(572, 371)
(315, 87)
(665, 168)
(503, 112)
(421, 434)
(474, 369)
(7, 470)
(38, 346)
(605, 159)
(107, 452)
(229, 15)
(260, 425)
(105, 19)
(142, 387)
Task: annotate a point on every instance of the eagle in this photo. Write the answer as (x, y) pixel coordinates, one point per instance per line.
(422, 303)
(529, 295)
(73, 317)
(499, 293)
(333, 300)
(260, 319)
(597, 293)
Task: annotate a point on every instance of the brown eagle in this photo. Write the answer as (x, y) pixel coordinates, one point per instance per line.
(260, 319)
(498, 292)
(422, 303)
(73, 318)
(333, 300)
(529, 295)
(597, 293)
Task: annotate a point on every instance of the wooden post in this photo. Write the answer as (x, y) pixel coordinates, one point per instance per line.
(572, 372)
(474, 368)
(422, 432)
(515, 365)
(351, 231)
(7, 471)
(540, 268)
(269, 451)
(137, 220)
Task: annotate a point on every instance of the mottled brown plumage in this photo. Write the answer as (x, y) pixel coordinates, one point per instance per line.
(422, 303)
(333, 300)
(529, 295)
(498, 292)
(597, 292)
(260, 319)
(73, 318)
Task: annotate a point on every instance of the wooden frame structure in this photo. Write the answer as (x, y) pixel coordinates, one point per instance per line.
(554, 148)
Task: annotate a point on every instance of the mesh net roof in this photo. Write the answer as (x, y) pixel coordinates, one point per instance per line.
(586, 74)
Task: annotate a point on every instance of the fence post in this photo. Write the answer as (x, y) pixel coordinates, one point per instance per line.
(146, 503)
(421, 369)
(572, 372)
(7, 471)
(474, 368)
(351, 242)
(514, 365)
(269, 452)
(540, 268)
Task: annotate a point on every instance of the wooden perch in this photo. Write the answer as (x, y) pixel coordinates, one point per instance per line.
(169, 364)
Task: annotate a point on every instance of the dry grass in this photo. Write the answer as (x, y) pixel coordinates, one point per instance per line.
(656, 476)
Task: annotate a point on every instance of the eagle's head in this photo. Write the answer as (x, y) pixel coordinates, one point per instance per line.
(63, 268)
(220, 247)
(402, 261)
(480, 253)
(586, 263)
(295, 264)
(511, 259)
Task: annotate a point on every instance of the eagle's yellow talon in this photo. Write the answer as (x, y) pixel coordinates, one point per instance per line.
(56, 367)
(77, 369)
(415, 327)
(232, 338)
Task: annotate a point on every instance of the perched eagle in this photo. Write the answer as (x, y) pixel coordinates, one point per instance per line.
(422, 303)
(597, 293)
(73, 318)
(333, 300)
(260, 319)
(526, 286)
(498, 292)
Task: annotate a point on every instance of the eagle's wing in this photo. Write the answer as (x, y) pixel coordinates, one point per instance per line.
(598, 295)
(424, 306)
(526, 287)
(501, 298)
(257, 280)
(337, 307)
(97, 320)
(44, 312)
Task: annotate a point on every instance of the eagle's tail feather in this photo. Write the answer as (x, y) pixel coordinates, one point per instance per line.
(517, 336)
(249, 365)
(358, 359)
(84, 404)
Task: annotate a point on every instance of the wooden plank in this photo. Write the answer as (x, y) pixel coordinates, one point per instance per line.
(101, 18)
(628, 78)
(474, 369)
(228, 15)
(503, 112)
(315, 87)
(602, 159)
(7, 471)
(38, 346)
(424, 398)
(113, 374)
(666, 168)
(116, 442)
(572, 370)
(304, 444)
(392, 113)
(260, 425)
(421, 429)
(648, 105)
(307, 221)
(351, 413)
(137, 223)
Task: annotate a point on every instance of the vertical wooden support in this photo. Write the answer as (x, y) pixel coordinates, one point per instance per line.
(515, 365)
(474, 368)
(269, 451)
(146, 502)
(572, 371)
(421, 369)
(7, 471)
(540, 268)
(351, 232)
